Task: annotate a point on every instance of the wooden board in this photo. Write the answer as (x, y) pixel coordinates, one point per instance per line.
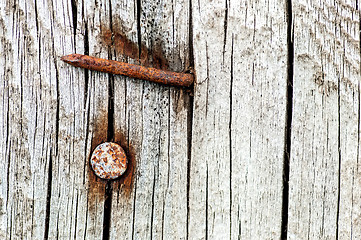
(324, 172)
(240, 52)
(208, 162)
(150, 121)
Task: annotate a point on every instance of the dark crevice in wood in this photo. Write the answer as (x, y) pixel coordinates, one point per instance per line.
(110, 137)
(163, 211)
(189, 115)
(134, 201)
(111, 23)
(207, 80)
(107, 210)
(74, 11)
(139, 30)
(86, 93)
(76, 216)
(8, 142)
(339, 156)
(288, 132)
(8, 168)
(39, 43)
(169, 137)
(359, 100)
(239, 224)
(36, 19)
(57, 226)
(225, 25)
(86, 216)
(48, 196)
(33, 211)
(10, 227)
(152, 214)
(253, 74)
(206, 233)
(230, 138)
(110, 129)
(35, 124)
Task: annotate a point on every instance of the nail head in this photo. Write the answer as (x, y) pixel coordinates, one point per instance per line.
(108, 160)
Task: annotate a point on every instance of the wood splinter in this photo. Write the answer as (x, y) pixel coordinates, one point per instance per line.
(130, 70)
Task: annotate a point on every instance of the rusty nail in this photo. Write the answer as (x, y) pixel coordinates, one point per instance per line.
(108, 160)
(130, 70)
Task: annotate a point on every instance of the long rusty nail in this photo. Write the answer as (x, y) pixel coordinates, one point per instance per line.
(108, 160)
(130, 70)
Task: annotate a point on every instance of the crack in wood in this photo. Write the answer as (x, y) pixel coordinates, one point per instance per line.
(288, 125)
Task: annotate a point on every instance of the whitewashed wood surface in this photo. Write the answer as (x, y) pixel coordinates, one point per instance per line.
(265, 145)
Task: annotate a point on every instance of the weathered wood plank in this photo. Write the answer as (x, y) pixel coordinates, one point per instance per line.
(240, 51)
(214, 171)
(53, 114)
(27, 121)
(77, 197)
(325, 130)
(152, 120)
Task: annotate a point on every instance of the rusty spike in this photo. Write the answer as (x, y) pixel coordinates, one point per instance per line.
(130, 70)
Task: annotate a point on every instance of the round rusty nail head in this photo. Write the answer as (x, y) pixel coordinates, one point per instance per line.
(108, 160)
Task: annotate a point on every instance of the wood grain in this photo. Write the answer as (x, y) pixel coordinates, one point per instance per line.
(207, 162)
(240, 52)
(326, 118)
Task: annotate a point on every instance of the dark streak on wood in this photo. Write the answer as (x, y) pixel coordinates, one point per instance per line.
(339, 157)
(86, 94)
(76, 215)
(139, 31)
(207, 80)
(206, 205)
(74, 11)
(230, 137)
(108, 195)
(225, 24)
(107, 210)
(189, 116)
(134, 201)
(8, 150)
(48, 197)
(288, 122)
(116, 40)
(152, 213)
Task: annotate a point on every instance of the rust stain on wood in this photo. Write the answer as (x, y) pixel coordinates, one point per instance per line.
(126, 182)
(96, 185)
(117, 41)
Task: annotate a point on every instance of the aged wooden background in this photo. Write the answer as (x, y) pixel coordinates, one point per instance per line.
(265, 145)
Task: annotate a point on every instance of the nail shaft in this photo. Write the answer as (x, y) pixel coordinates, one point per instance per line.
(130, 70)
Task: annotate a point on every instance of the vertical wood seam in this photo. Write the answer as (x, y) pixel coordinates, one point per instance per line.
(74, 12)
(358, 126)
(139, 32)
(108, 194)
(230, 139)
(339, 153)
(289, 108)
(225, 25)
(86, 95)
(190, 114)
(48, 196)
